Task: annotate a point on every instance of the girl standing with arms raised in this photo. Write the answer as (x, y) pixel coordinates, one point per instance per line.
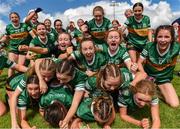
(18, 34)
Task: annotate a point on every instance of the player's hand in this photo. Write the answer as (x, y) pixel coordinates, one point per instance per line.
(38, 10)
(145, 123)
(63, 124)
(106, 127)
(69, 50)
(34, 127)
(134, 67)
(43, 86)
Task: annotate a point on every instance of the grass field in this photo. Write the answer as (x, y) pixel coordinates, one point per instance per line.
(170, 118)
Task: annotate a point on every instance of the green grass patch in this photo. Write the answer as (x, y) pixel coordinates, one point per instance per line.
(170, 118)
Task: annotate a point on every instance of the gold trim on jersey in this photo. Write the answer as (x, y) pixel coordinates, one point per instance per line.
(98, 35)
(162, 66)
(140, 32)
(20, 35)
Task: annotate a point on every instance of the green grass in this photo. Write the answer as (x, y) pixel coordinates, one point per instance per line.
(170, 118)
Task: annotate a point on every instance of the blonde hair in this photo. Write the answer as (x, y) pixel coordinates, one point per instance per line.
(47, 64)
(111, 70)
(144, 87)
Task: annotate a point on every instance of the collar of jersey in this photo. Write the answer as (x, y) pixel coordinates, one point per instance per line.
(111, 55)
(42, 41)
(162, 54)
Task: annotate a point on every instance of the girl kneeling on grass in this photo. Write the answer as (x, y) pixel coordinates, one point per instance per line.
(137, 97)
(158, 60)
(6, 63)
(28, 97)
(47, 71)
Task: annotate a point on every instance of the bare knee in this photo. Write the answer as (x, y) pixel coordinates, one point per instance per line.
(174, 104)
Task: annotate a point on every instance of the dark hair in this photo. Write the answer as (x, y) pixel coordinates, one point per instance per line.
(98, 8)
(54, 113)
(65, 67)
(40, 23)
(138, 4)
(57, 21)
(165, 27)
(15, 14)
(70, 38)
(103, 106)
(33, 79)
(85, 40)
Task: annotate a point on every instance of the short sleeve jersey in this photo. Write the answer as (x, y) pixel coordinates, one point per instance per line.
(14, 80)
(126, 99)
(78, 81)
(24, 100)
(49, 44)
(84, 110)
(97, 62)
(98, 32)
(119, 57)
(61, 94)
(18, 35)
(160, 66)
(138, 31)
(53, 34)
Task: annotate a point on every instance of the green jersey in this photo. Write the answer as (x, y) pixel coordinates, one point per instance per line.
(61, 94)
(126, 78)
(24, 100)
(13, 81)
(5, 62)
(119, 57)
(97, 62)
(98, 31)
(78, 81)
(138, 31)
(84, 110)
(49, 44)
(160, 66)
(18, 36)
(53, 34)
(91, 87)
(78, 35)
(126, 99)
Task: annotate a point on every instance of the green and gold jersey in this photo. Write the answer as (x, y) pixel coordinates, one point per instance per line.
(49, 44)
(61, 94)
(18, 35)
(160, 66)
(138, 31)
(126, 99)
(84, 110)
(119, 57)
(98, 32)
(97, 62)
